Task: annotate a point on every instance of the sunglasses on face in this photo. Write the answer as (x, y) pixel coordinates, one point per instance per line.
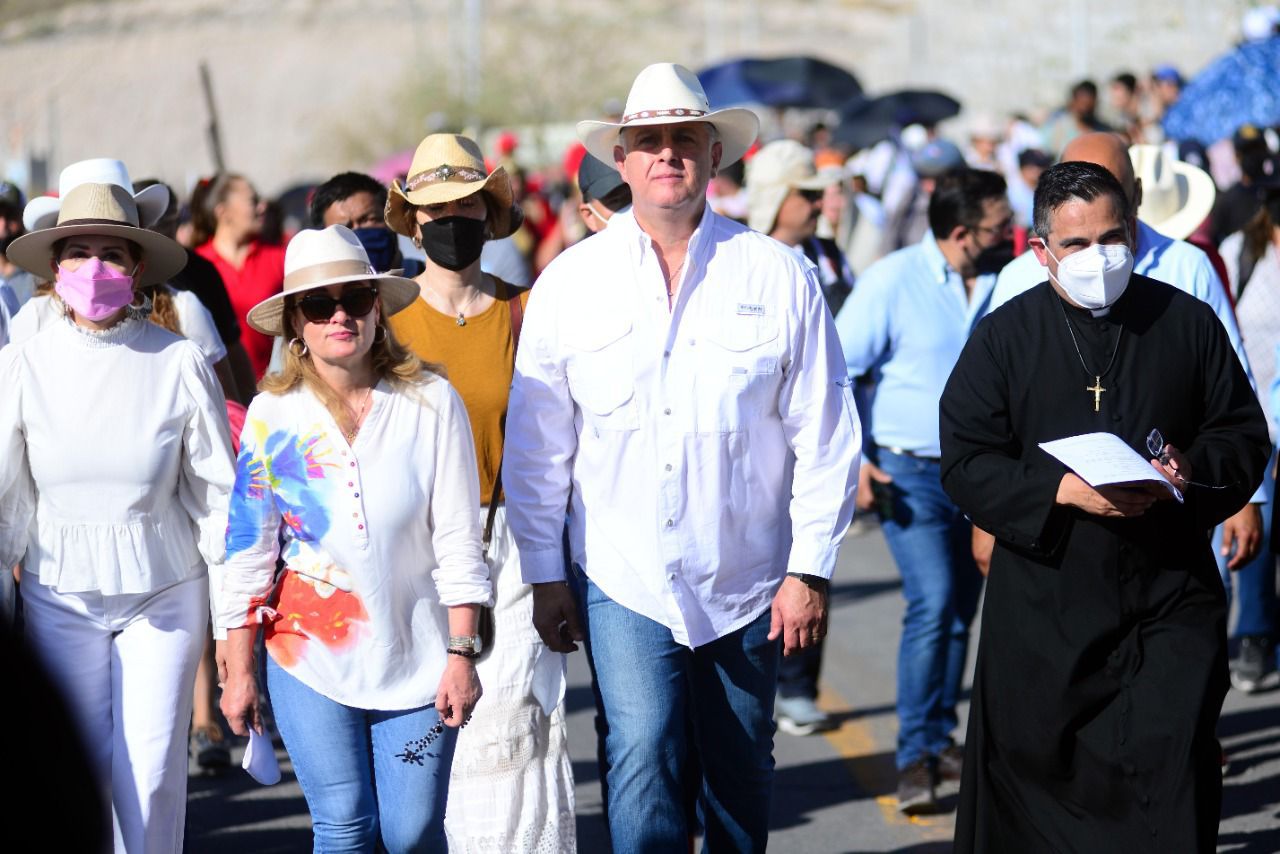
(320, 307)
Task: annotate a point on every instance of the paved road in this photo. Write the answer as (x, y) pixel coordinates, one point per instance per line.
(833, 793)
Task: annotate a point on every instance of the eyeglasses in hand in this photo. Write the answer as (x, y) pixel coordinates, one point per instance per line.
(1156, 447)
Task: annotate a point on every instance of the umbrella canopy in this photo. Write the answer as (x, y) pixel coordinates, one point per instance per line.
(865, 121)
(1239, 88)
(791, 81)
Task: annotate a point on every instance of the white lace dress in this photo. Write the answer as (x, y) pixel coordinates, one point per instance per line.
(511, 790)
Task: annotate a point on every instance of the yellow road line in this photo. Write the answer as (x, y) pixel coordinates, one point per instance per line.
(854, 741)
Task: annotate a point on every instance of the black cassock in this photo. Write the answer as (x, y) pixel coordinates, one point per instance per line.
(1102, 658)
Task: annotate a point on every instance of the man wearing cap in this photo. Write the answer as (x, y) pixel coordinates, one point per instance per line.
(909, 220)
(903, 330)
(1164, 211)
(603, 192)
(680, 387)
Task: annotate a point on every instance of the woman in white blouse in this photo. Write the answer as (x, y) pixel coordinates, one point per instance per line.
(115, 471)
(362, 459)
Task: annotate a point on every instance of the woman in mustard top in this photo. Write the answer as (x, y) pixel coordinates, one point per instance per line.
(512, 781)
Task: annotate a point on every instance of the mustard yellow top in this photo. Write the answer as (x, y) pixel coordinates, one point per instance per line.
(479, 359)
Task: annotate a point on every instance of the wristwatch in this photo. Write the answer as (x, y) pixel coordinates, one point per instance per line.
(816, 582)
(468, 646)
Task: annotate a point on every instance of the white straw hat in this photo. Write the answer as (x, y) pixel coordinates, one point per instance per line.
(1176, 196)
(42, 211)
(666, 93)
(773, 172)
(317, 258)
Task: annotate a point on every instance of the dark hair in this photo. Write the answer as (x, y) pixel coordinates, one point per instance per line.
(1127, 80)
(1085, 87)
(1074, 179)
(207, 195)
(959, 198)
(340, 187)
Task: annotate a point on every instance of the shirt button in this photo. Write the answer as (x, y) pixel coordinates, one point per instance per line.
(360, 527)
(353, 463)
(351, 483)
(666, 411)
(671, 523)
(668, 466)
(357, 495)
(355, 515)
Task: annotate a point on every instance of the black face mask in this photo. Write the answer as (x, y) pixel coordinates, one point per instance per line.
(453, 242)
(994, 258)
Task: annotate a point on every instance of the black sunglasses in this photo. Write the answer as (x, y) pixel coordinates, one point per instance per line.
(356, 302)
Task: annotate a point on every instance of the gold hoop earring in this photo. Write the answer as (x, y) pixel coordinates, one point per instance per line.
(417, 242)
(377, 329)
(294, 349)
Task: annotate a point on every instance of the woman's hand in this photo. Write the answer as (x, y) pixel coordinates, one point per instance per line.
(239, 702)
(459, 691)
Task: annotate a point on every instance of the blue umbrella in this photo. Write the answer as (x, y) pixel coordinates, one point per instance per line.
(865, 121)
(1239, 88)
(792, 81)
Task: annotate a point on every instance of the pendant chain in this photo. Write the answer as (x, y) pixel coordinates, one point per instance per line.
(1096, 389)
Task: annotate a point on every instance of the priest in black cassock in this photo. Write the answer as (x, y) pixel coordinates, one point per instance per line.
(1102, 659)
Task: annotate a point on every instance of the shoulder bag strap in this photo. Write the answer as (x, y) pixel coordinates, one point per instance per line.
(517, 317)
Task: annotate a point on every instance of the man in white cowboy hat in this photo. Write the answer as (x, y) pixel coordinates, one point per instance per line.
(680, 387)
(1145, 170)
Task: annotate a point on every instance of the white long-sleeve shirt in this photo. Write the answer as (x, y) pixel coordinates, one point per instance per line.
(115, 458)
(381, 536)
(707, 449)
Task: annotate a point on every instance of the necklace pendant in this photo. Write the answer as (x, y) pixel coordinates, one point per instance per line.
(461, 321)
(1096, 390)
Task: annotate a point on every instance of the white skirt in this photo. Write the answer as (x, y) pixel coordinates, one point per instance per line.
(511, 788)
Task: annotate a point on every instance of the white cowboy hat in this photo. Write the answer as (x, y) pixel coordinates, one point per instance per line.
(775, 170)
(317, 258)
(42, 211)
(101, 210)
(1176, 196)
(666, 93)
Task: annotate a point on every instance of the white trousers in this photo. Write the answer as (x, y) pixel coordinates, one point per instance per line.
(126, 666)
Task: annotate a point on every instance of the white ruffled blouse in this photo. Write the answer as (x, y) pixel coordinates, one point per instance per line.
(115, 458)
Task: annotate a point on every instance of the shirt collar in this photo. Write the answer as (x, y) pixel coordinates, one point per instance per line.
(626, 223)
(934, 259)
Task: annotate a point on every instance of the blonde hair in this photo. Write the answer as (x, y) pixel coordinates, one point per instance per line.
(391, 362)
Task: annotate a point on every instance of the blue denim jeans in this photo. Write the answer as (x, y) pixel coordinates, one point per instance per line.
(1254, 584)
(931, 542)
(655, 691)
(365, 774)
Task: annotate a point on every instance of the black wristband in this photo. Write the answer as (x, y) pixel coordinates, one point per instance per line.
(465, 653)
(815, 582)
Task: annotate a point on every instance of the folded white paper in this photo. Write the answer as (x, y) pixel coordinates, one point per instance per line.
(1104, 459)
(260, 759)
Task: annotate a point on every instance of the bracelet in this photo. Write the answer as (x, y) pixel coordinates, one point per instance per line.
(465, 653)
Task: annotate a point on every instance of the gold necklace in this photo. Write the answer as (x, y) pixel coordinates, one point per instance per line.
(671, 280)
(355, 424)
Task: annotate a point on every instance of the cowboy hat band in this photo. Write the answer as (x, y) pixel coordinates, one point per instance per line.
(451, 174)
(99, 210)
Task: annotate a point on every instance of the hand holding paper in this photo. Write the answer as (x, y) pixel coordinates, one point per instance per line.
(1104, 459)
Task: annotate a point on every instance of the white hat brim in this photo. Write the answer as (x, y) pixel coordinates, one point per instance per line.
(42, 211)
(395, 293)
(1201, 193)
(163, 256)
(738, 130)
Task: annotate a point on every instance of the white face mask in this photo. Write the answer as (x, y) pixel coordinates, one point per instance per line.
(1095, 277)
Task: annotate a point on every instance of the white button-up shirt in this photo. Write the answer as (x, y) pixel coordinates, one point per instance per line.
(704, 450)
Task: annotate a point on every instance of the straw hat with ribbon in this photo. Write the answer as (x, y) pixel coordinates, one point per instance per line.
(447, 167)
(42, 211)
(1176, 196)
(100, 210)
(666, 93)
(317, 258)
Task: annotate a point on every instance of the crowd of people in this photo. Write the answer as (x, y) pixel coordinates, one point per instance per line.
(314, 484)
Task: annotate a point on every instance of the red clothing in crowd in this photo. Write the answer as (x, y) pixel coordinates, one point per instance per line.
(261, 276)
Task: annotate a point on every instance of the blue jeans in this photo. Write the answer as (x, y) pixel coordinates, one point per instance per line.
(366, 775)
(654, 691)
(931, 542)
(1254, 583)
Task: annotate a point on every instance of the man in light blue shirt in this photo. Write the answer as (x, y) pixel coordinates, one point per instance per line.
(1187, 268)
(902, 332)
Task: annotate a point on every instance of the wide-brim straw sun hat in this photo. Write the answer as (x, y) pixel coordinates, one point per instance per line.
(100, 210)
(776, 169)
(1176, 197)
(42, 211)
(447, 167)
(317, 258)
(665, 93)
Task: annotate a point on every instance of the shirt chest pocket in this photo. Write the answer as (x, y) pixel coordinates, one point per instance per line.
(601, 373)
(737, 375)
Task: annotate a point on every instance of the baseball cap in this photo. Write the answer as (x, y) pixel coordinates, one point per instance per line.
(936, 157)
(597, 179)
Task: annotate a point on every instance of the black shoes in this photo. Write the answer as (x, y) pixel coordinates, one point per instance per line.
(1254, 669)
(916, 795)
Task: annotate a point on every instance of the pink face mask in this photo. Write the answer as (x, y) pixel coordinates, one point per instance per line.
(94, 291)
